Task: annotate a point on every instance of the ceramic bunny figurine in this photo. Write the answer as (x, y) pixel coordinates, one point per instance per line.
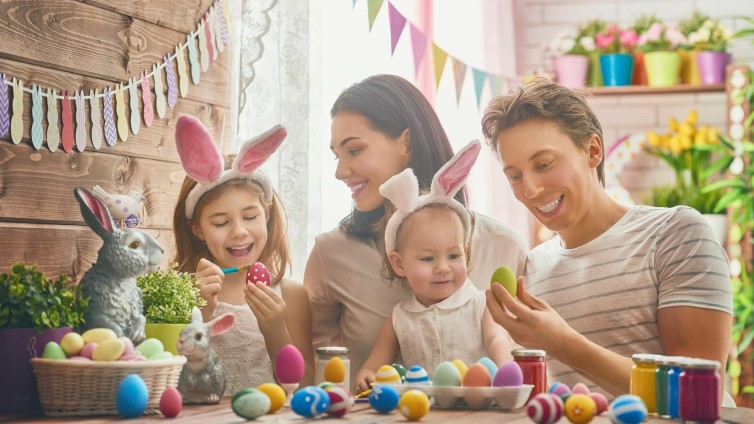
(115, 300)
(203, 377)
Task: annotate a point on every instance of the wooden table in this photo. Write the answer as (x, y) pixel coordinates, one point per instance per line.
(362, 413)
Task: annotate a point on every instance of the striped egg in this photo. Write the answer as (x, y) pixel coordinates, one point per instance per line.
(341, 401)
(417, 375)
(559, 389)
(310, 402)
(545, 408)
(580, 408)
(250, 403)
(387, 375)
(627, 409)
(384, 399)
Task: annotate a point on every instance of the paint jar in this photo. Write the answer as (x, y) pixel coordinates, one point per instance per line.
(700, 391)
(674, 374)
(661, 385)
(534, 368)
(324, 355)
(643, 379)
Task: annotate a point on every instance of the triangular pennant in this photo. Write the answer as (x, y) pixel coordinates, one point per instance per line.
(419, 46)
(459, 74)
(397, 23)
(439, 58)
(496, 84)
(479, 77)
(37, 135)
(354, 3)
(373, 8)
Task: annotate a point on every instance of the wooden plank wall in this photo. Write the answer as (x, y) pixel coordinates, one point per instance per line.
(93, 44)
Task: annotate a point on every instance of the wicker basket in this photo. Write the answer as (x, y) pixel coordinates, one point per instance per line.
(81, 388)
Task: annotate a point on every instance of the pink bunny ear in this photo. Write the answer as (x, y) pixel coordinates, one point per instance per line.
(199, 155)
(451, 177)
(222, 324)
(257, 150)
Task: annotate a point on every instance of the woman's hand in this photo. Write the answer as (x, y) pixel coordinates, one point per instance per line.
(268, 307)
(210, 278)
(364, 380)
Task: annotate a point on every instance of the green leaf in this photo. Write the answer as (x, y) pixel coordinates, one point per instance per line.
(722, 184)
(726, 200)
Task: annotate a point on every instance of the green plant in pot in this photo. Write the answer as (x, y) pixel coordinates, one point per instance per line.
(35, 310)
(169, 296)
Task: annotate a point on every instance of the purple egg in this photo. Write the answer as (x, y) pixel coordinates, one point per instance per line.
(509, 374)
(559, 389)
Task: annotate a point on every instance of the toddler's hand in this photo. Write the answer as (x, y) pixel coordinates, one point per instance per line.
(364, 381)
(268, 307)
(210, 278)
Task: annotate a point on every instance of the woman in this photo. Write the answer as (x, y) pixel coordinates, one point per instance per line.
(381, 126)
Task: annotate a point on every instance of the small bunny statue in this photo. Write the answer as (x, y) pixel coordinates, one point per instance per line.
(115, 300)
(203, 377)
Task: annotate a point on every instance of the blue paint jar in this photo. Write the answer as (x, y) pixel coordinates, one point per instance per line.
(676, 367)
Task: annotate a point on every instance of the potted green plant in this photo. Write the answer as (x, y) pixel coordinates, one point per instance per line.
(35, 310)
(169, 296)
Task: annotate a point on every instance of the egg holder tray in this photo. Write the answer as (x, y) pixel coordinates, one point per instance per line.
(506, 398)
(84, 388)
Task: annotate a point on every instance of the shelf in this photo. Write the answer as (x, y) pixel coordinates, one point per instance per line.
(645, 89)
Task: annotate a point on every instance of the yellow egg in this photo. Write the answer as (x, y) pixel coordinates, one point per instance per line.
(462, 368)
(387, 375)
(335, 370)
(72, 343)
(276, 395)
(98, 335)
(580, 409)
(414, 404)
(109, 350)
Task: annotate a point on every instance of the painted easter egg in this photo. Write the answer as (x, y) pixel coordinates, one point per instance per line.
(489, 364)
(387, 375)
(53, 351)
(509, 375)
(627, 409)
(341, 401)
(98, 335)
(462, 367)
(413, 404)
(149, 347)
(477, 376)
(109, 350)
(88, 349)
(580, 388)
(129, 345)
(417, 375)
(446, 374)
(310, 402)
(545, 408)
(559, 389)
(161, 356)
(258, 272)
(506, 278)
(600, 400)
(289, 364)
(276, 395)
(383, 398)
(132, 396)
(250, 403)
(580, 409)
(401, 371)
(335, 370)
(72, 343)
(171, 402)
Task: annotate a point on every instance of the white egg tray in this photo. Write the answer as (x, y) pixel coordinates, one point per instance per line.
(505, 398)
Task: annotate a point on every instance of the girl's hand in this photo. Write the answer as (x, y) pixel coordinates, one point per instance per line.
(364, 381)
(210, 278)
(267, 306)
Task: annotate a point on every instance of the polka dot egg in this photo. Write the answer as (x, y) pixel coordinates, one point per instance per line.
(627, 409)
(250, 403)
(413, 405)
(545, 408)
(580, 409)
(341, 401)
(387, 375)
(310, 402)
(417, 375)
(383, 398)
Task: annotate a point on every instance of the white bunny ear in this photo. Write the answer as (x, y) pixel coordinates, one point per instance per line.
(402, 190)
(452, 176)
(258, 149)
(199, 155)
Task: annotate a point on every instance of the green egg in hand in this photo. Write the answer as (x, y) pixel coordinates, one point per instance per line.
(506, 278)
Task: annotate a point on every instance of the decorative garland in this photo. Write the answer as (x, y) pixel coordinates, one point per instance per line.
(618, 155)
(212, 33)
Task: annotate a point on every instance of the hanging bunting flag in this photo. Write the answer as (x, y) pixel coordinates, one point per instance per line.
(193, 60)
(354, 4)
(224, 36)
(459, 74)
(53, 134)
(439, 57)
(217, 25)
(170, 75)
(479, 77)
(182, 77)
(4, 105)
(397, 23)
(67, 136)
(496, 85)
(37, 134)
(94, 114)
(228, 20)
(80, 121)
(146, 97)
(419, 45)
(120, 112)
(204, 55)
(110, 130)
(373, 8)
(17, 121)
(210, 30)
(159, 93)
(133, 104)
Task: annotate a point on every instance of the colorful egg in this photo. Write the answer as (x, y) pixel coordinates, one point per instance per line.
(509, 375)
(627, 409)
(417, 375)
(276, 395)
(326, 385)
(559, 389)
(165, 354)
(149, 347)
(53, 351)
(383, 398)
(132, 357)
(387, 375)
(462, 367)
(506, 278)
(580, 388)
(109, 350)
(72, 343)
(446, 374)
(600, 400)
(171, 402)
(98, 335)
(132, 396)
(580, 409)
(401, 370)
(341, 401)
(250, 403)
(129, 345)
(310, 402)
(88, 349)
(413, 404)
(545, 408)
(335, 370)
(289, 364)
(489, 364)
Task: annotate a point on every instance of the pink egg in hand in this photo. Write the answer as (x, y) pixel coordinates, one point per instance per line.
(509, 374)
(289, 364)
(258, 272)
(171, 402)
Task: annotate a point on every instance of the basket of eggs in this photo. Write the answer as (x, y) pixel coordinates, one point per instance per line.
(86, 374)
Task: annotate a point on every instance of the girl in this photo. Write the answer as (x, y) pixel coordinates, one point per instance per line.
(231, 218)
(425, 242)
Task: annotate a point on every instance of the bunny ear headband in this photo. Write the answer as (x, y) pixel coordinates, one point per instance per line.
(403, 191)
(203, 162)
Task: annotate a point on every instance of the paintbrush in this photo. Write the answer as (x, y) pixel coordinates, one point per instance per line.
(236, 269)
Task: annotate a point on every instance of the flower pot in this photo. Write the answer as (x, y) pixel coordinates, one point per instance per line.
(663, 68)
(719, 224)
(616, 69)
(639, 76)
(166, 333)
(17, 346)
(571, 70)
(594, 77)
(689, 67)
(712, 66)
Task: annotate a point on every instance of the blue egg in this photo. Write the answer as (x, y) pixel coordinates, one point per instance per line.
(250, 403)
(310, 402)
(417, 375)
(487, 362)
(627, 409)
(132, 396)
(384, 398)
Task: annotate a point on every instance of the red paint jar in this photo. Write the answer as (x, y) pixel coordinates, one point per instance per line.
(699, 391)
(534, 369)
